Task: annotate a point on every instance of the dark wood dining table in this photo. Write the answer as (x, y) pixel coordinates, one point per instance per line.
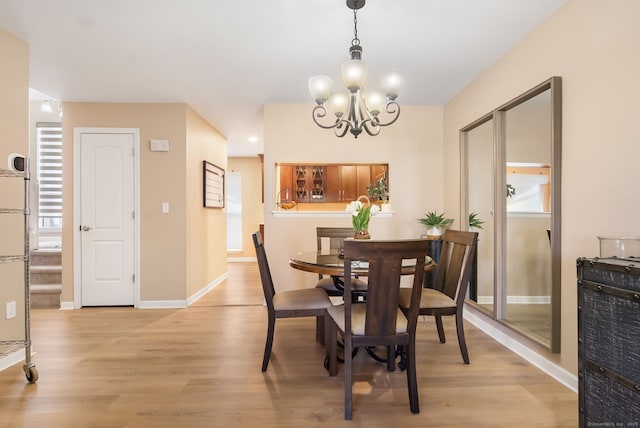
(331, 263)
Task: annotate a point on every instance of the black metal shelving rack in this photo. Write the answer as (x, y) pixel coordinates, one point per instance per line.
(8, 347)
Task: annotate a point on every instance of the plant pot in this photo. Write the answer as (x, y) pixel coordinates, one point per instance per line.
(434, 233)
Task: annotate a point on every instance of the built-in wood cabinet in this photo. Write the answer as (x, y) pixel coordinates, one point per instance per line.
(327, 183)
(347, 182)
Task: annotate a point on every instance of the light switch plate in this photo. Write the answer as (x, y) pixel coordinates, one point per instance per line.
(11, 310)
(158, 145)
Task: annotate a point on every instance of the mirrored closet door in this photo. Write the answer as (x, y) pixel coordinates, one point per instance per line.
(511, 183)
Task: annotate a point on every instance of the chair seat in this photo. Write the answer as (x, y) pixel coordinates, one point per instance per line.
(308, 298)
(358, 315)
(329, 286)
(431, 298)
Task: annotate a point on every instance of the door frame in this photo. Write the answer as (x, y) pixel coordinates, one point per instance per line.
(77, 243)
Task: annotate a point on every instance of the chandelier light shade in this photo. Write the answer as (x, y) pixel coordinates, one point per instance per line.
(355, 110)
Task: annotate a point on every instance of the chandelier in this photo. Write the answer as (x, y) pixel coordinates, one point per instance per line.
(355, 110)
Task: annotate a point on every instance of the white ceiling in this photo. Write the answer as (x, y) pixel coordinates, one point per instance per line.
(228, 58)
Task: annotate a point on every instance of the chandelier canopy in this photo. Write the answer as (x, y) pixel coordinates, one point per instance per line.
(357, 109)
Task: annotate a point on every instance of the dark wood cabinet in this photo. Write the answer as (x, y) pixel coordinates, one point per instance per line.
(342, 183)
(286, 184)
(608, 342)
(328, 183)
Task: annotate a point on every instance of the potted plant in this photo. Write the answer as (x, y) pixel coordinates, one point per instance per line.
(377, 192)
(474, 221)
(436, 223)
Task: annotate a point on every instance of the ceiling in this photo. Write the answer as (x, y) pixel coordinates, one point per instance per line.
(226, 59)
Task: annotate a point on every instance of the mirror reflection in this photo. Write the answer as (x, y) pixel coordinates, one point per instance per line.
(528, 251)
(511, 173)
(478, 146)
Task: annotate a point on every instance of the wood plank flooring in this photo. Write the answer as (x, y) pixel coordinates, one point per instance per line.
(200, 367)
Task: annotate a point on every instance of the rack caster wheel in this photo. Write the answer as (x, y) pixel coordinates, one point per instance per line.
(31, 372)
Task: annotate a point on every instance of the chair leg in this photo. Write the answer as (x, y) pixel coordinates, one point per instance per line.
(268, 345)
(391, 358)
(412, 380)
(348, 386)
(440, 329)
(461, 340)
(320, 331)
(332, 345)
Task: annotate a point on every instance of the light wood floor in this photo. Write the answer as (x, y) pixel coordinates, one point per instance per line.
(200, 367)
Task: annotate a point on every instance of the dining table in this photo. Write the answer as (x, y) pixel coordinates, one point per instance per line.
(331, 262)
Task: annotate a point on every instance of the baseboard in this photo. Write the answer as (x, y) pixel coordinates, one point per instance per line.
(168, 304)
(14, 358)
(517, 300)
(241, 259)
(560, 374)
(196, 296)
(67, 306)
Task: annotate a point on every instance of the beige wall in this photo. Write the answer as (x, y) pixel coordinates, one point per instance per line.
(14, 130)
(592, 45)
(167, 240)
(206, 227)
(412, 147)
(250, 170)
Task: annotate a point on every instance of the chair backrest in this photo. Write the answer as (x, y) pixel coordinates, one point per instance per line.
(265, 272)
(336, 237)
(385, 268)
(456, 260)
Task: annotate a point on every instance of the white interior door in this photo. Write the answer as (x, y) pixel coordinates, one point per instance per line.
(107, 219)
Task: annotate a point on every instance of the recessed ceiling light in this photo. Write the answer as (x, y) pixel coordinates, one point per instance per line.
(253, 139)
(46, 106)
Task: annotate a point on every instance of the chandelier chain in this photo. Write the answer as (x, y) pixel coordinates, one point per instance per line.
(356, 40)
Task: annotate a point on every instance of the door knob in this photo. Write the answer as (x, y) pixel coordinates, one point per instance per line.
(86, 228)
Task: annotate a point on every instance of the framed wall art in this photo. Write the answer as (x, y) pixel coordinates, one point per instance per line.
(213, 185)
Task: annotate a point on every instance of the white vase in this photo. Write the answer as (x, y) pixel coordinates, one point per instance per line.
(435, 232)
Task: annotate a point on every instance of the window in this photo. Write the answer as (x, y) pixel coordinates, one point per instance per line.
(49, 175)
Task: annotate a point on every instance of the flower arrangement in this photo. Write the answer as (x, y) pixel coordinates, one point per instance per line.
(361, 213)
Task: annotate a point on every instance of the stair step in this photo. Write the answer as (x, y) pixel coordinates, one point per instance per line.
(46, 257)
(45, 295)
(45, 275)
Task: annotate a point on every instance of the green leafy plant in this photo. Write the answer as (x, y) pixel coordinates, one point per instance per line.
(474, 221)
(361, 213)
(378, 191)
(433, 219)
(510, 190)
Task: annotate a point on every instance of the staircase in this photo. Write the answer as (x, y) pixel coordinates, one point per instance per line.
(45, 278)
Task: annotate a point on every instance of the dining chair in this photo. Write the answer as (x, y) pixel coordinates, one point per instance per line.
(334, 285)
(453, 272)
(308, 302)
(378, 321)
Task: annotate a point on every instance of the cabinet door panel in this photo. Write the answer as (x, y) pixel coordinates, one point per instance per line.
(333, 189)
(286, 182)
(349, 182)
(364, 179)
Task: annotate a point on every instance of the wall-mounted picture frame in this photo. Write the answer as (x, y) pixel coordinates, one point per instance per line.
(213, 185)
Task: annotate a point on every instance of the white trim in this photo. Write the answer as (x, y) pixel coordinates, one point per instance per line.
(560, 374)
(324, 214)
(162, 304)
(65, 306)
(517, 300)
(241, 259)
(12, 359)
(77, 274)
(198, 294)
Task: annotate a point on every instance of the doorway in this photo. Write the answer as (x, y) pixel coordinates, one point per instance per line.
(106, 224)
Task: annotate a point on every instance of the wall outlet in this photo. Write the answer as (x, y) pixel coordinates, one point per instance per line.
(11, 310)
